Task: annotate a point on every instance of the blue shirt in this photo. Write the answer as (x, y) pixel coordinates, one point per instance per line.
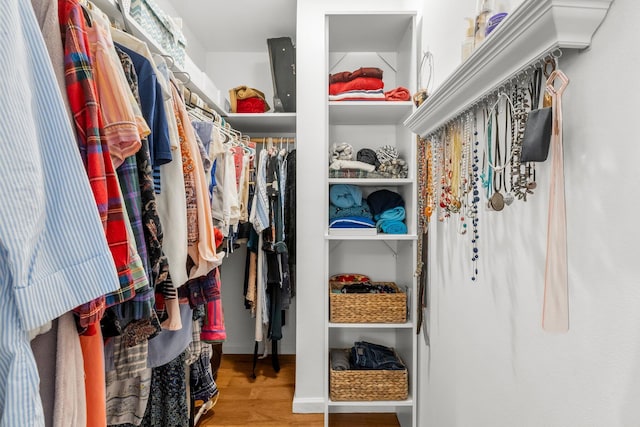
(152, 106)
(53, 251)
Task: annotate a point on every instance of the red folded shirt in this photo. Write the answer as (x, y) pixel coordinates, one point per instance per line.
(251, 105)
(360, 83)
(398, 94)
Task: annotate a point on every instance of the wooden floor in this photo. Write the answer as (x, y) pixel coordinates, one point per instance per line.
(266, 401)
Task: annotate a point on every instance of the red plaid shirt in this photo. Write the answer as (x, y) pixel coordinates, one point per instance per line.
(83, 100)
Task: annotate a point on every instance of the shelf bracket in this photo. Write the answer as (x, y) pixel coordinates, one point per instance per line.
(395, 253)
(395, 70)
(336, 245)
(332, 67)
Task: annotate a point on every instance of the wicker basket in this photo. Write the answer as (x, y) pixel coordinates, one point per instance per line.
(368, 385)
(367, 308)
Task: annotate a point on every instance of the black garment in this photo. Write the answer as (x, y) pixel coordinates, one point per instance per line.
(290, 219)
(367, 155)
(382, 200)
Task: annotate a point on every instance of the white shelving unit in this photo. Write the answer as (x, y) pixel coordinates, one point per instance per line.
(386, 40)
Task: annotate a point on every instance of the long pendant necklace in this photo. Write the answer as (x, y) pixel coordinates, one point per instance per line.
(496, 202)
(475, 200)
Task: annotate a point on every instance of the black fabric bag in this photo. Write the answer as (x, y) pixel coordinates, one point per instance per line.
(537, 136)
(282, 56)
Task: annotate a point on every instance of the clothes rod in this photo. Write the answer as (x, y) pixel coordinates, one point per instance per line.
(274, 140)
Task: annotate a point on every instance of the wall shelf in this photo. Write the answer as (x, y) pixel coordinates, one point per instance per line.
(375, 403)
(376, 237)
(369, 112)
(534, 29)
(407, 325)
(372, 182)
(262, 123)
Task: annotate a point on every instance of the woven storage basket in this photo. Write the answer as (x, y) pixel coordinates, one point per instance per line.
(367, 308)
(368, 385)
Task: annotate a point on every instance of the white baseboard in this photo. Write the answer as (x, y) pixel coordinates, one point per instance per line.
(308, 405)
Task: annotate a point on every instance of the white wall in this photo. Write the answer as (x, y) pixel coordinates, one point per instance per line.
(312, 192)
(489, 362)
(232, 69)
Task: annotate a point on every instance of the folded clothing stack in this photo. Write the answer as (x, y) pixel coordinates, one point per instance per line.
(385, 162)
(387, 208)
(363, 84)
(348, 209)
(366, 355)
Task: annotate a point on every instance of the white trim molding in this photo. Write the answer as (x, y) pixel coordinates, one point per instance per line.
(533, 30)
(308, 405)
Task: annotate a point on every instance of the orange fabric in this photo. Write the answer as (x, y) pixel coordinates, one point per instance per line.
(398, 94)
(120, 125)
(94, 379)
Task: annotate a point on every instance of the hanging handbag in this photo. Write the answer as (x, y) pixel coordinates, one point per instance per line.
(537, 136)
(537, 132)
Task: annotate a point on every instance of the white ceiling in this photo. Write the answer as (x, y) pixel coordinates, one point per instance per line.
(237, 25)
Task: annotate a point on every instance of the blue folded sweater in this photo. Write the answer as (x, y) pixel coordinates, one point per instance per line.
(398, 213)
(391, 226)
(345, 195)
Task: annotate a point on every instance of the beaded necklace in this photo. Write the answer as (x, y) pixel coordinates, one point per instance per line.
(422, 183)
(465, 180)
(475, 188)
(456, 163)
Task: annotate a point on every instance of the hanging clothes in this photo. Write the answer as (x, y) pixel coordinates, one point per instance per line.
(82, 93)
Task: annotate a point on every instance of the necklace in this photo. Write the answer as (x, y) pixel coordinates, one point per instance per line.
(475, 181)
(496, 202)
(520, 182)
(430, 188)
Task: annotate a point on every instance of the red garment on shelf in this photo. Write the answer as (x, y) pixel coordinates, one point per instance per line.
(346, 76)
(251, 105)
(360, 83)
(398, 94)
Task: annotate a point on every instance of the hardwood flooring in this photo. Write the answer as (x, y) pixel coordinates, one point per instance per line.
(266, 400)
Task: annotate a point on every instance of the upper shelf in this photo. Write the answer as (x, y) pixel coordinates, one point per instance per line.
(534, 29)
(368, 112)
(372, 182)
(263, 123)
(198, 81)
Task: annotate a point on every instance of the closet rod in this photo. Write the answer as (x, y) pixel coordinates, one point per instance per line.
(274, 139)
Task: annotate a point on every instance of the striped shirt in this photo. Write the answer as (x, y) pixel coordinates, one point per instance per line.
(54, 253)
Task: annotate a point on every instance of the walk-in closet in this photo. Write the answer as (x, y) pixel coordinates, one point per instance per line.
(271, 213)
